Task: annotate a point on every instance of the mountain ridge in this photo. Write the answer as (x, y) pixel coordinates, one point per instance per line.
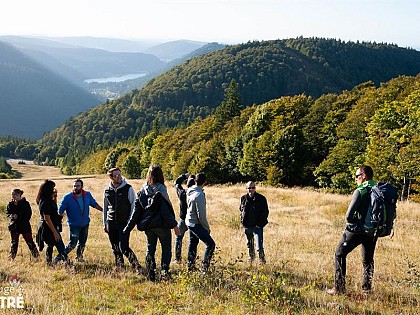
(29, 94)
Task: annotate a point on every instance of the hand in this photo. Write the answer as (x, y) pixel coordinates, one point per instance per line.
(14, 216)
(57, 236)
(177, 231)
(105, 229)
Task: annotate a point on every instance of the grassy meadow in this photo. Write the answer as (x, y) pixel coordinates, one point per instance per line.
(300, 240)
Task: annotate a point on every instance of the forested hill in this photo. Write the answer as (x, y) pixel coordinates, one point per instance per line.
(269, 69)
(34, 99)
(289, 141)
(262, 70)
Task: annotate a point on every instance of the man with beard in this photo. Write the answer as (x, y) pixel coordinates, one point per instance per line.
(76, 204)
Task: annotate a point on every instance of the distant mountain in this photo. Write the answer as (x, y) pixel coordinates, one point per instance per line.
(88, 62)
(207, 48)
(33, 99)
(270, 69)
(109, 44)
(175, 49)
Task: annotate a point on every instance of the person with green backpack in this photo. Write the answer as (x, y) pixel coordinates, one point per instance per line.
(354, 234)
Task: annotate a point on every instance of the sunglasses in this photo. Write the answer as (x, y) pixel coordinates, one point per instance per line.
(358, 175)
(250, 188)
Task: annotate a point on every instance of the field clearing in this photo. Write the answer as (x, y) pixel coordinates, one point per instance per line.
(300, 240)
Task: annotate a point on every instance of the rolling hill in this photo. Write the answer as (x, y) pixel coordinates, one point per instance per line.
(270, 69)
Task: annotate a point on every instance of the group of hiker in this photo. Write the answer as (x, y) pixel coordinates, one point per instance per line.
(151, 211)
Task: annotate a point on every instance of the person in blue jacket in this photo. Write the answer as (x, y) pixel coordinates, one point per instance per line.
(76, 205)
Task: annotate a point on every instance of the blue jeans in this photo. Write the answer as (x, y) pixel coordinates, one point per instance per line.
(251, 234)
(165, 239)
(198, 233)
(78, 236)
(178, 240)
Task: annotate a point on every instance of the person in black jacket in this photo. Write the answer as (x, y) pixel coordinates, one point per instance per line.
(153, 214)
(182, 196)
(254, 214)
(50, 225)
(353, 235)
(119, 199)
(19, 212)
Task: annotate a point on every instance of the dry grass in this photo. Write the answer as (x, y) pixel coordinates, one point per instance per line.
(300, 241)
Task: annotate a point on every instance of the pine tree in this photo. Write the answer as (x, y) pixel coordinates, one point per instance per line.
(231, 106)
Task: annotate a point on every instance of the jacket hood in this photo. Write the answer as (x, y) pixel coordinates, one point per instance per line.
(193, 189)
(149, 190)
(123, 183)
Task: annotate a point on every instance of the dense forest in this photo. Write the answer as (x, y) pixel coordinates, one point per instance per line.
(292, 140)
(270, 69)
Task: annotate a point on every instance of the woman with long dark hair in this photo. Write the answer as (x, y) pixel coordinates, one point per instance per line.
(154, 215)
(50, 228)
(19, 212)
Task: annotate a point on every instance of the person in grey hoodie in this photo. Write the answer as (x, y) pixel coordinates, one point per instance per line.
(196, 221)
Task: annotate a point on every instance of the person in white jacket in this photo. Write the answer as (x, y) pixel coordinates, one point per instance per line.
(196, 221)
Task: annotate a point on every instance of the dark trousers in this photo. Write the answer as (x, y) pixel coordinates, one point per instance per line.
(60, 248)
(165, 238)
(15, 244)
(120, 245)
(198, 233)
(348, 242)
(178, 240)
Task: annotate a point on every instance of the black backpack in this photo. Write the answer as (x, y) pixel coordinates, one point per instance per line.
(382, 211)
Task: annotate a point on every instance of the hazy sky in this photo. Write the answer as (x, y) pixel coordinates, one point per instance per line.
(226, 21)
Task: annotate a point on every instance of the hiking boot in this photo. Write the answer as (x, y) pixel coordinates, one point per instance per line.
(68, 263)
(35, 254)
(151, 275)
(251, 255)
(261, 256)
(335, 291)
(80, 259)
